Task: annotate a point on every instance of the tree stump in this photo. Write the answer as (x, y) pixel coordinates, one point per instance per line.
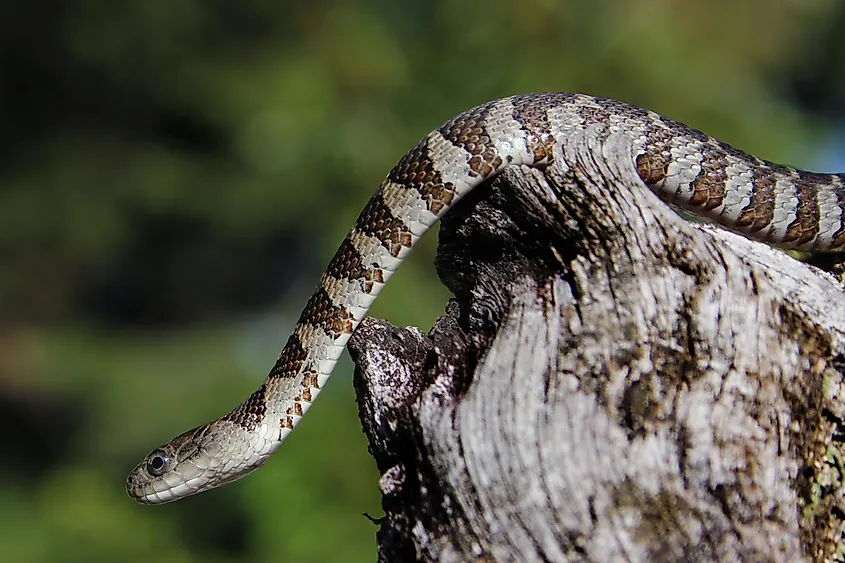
(610, 383)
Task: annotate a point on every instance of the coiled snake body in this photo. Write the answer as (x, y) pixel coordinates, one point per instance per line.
(765, 201)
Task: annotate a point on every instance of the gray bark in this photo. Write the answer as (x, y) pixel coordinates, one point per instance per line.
(610, 383)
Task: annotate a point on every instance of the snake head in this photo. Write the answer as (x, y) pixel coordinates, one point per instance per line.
(194, 462)
(172, 471)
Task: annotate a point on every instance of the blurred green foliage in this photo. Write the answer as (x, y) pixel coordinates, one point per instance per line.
(174, 175)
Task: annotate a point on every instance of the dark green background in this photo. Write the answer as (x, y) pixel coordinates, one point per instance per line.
(174, 175)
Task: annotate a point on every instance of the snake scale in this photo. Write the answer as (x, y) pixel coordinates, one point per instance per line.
(765, 201)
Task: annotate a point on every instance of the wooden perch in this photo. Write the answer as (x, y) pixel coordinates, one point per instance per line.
(611, 383)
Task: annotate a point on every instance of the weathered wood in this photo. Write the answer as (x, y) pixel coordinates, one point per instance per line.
(611, 383)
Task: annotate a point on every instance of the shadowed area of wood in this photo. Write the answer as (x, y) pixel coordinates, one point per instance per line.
(610, 383)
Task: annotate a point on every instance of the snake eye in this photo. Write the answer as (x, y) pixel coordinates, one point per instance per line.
(157, 463)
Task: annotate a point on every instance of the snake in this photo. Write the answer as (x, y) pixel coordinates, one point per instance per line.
(686, 168)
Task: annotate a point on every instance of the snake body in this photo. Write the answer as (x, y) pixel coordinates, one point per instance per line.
(765, 201)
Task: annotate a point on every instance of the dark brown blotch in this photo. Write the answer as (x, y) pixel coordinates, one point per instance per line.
(251, 412)
(535, 122)
(591, 116)
(291, 359)
(467, 131)
(653, 164)
(760, 210)
(839, 236)
(348, 263)
(320, 312)
(708, 188)
(310, 380)
(805, 227)
(651, 167)
(416, 171)
(377, 220)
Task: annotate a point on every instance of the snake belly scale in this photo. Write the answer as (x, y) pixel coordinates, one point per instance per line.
(765, 201)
